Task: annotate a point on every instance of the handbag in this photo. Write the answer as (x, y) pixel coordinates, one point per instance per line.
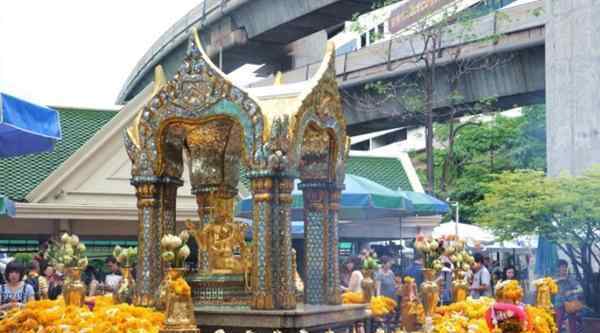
(573, 306)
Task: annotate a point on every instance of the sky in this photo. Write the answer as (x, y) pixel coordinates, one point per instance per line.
(78, 53)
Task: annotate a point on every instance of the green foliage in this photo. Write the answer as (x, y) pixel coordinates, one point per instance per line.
(24, 258)
(484, 149)
(565, 210)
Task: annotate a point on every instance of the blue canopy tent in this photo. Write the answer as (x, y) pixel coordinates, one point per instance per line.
(26, 128)
(424, 204)
(362, 199)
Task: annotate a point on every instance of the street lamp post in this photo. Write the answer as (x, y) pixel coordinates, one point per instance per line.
(457, 205)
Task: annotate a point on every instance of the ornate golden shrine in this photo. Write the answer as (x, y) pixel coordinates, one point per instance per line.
(279, 133)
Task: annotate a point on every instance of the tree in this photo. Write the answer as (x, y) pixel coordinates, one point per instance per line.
(565, 210)
(483, 147)
(436, 42)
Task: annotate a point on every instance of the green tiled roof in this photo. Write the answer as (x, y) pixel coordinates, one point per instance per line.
(20, 175)
(386, 171)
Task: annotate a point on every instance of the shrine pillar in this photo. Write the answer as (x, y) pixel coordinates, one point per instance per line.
(282, 256)
(148, 192)
(334, 296)
(168, 214)
(205, 201)
(262, 279)
(273, 284)
(316, 236)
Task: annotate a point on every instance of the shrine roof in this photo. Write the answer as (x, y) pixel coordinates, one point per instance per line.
(20, 175)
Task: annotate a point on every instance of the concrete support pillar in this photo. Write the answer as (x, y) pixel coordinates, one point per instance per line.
(572, 81)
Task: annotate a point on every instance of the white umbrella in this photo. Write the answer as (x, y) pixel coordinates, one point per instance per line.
(470, 233)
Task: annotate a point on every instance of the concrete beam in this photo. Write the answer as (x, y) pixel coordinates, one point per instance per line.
(518, 82)
(231, 24)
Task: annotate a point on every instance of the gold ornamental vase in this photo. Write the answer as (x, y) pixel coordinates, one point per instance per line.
(179, 313)
(74, 289)
(125, 288)
(460, 286)
(368, 285)
(430, 292)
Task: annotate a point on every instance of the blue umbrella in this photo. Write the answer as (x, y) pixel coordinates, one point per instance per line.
(7, 207)
(26, 128)
(425, 204)
(546, 258)
(362, 199)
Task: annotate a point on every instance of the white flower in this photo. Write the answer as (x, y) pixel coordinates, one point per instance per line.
(74, 240)
(164, 242)
(67, 259)
(184, 252)
(433, 245)
(175, 242)
(81, 247)
(168, 256)
(83, 262)
(132, 251)
(184, 236)
(69, 250)
(117, 251)
(65, 238)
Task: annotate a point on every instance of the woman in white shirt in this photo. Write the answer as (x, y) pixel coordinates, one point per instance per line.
(354, 285)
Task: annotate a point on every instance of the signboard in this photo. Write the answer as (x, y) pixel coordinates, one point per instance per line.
(412, 11)
(345, 249)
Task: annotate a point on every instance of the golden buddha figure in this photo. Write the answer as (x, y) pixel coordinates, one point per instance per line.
(223, 240)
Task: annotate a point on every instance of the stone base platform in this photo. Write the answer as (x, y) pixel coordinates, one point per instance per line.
(312, 318)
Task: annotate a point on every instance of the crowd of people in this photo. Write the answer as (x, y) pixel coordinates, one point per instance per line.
(39, 279)
(482, 282)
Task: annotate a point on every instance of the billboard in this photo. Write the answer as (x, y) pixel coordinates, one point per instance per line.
(412, 10)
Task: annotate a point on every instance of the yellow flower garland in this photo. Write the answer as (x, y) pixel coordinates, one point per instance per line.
(54, 317)
(469, 317)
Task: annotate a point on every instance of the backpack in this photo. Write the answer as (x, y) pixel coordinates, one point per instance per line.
(34, 282)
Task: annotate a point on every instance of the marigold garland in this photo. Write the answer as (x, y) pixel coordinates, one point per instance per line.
(547, 281)
(352, 298)
(54, 317)
(381, 306)
(468, 317)
(180, 287)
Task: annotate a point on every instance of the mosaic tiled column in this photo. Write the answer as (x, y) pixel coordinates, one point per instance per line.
(262, 292)
(205, 201)
(282, 266)
(333, 269)
(168, 208)
(147, 280)
(316, 218)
